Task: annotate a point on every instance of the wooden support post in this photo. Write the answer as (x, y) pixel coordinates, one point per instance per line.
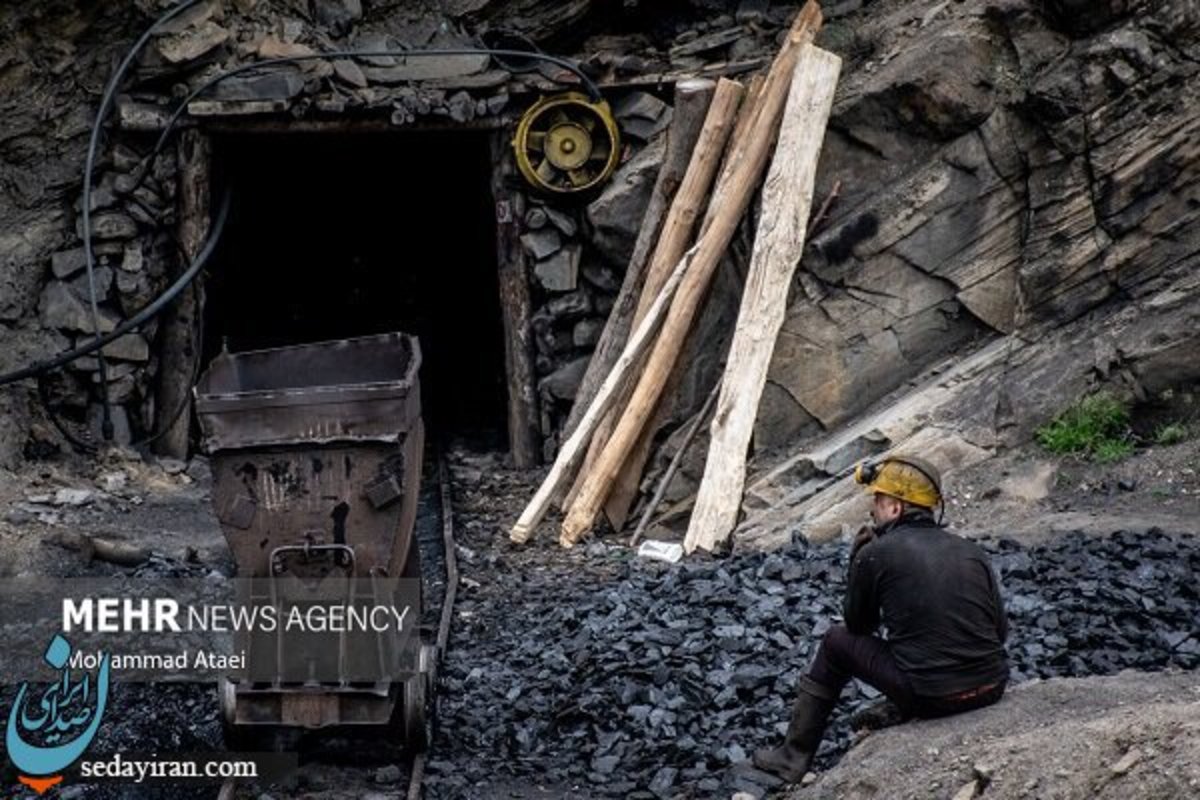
(691, 199)
(677, 231)
(753, 101)
(572, 450)
(692, 98)
(676, 460)
(629, 480)
(746, 168)
(778, 245)
(524, 438)
(180, 348)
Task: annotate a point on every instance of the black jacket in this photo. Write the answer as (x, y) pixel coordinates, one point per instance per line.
(939, 600)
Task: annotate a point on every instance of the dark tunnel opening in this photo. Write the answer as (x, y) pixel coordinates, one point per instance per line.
(340, 235)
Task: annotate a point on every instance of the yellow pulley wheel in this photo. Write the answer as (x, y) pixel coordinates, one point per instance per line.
(567, 144)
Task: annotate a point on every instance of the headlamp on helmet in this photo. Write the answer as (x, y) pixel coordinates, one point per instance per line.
(906, 478)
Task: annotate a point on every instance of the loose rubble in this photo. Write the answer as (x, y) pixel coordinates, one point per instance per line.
(593, 673)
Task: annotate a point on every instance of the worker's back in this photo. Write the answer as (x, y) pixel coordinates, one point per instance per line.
(937, 597)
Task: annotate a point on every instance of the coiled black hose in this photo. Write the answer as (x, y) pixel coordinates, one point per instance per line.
(110, 91)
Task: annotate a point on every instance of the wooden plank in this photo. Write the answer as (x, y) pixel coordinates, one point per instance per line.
(261, 125)
(786, 205)
(690, 200)
(237, 108)
(673, 467)
(180, 345)
(721, 69)
(427, 68)
(678, 229)
(628, 483)
(572, 450)
(524, 439)
(748, 162)
(752, 101)
(692, 99)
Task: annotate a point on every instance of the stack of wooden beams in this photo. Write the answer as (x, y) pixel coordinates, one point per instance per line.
(604, 455)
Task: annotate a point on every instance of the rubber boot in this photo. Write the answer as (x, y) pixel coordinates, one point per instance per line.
(791, 760)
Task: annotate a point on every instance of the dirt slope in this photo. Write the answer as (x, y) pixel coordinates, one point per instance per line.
(1131, 736)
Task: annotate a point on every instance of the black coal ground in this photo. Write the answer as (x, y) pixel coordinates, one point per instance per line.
(168, 720)
(595, 674)
(590, 673)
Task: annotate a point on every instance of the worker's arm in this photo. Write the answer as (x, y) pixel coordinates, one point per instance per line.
(998, 602)
(861, 609)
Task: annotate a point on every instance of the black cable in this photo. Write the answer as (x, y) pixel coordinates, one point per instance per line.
(149, 311)
(106, 101)
(156, 306)
(106, 424)
(505, 39)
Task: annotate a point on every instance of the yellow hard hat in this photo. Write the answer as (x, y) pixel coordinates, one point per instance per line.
(907, 478)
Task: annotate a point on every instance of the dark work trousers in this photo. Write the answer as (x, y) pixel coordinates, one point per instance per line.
(844, 655)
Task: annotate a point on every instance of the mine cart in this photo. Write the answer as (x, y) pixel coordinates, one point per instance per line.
(316, 458)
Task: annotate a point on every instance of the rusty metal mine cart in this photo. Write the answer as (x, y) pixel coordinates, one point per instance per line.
(316, 457)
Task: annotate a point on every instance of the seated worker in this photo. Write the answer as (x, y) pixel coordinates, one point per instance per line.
(938, 600)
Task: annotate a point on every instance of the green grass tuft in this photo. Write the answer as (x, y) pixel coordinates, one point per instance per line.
(1112, 450)
(1097, 426)
(1173, 433)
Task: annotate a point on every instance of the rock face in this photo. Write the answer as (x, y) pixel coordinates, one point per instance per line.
(1129, 736)
(961, 411)
(998, 177)
(1011, 172)
(1018, 226)
(46, 110)
(616, 214)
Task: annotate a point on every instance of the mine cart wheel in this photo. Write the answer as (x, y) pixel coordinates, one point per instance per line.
(234, 735)
(416, 722)
(417, 714)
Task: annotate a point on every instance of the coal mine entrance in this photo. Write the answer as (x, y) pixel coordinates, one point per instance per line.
(351, 234)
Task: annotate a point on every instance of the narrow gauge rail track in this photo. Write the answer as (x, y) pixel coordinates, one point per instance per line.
(445, 619)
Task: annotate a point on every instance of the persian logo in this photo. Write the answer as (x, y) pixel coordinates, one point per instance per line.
(47, 735)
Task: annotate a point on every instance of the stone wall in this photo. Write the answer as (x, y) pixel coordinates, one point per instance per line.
(53, 63)
(60, 56)
(578, 257)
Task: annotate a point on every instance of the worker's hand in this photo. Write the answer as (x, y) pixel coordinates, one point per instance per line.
(865, 534)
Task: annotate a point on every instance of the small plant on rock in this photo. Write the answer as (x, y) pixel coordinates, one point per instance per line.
(1173, 433)
(1097, 426)
(1112, 450)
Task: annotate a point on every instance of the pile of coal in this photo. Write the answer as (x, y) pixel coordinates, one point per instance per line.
(639, 679)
